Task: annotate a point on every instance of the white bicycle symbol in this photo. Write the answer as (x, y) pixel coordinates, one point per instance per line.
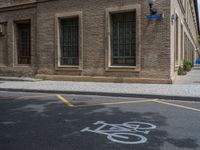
(123, 133)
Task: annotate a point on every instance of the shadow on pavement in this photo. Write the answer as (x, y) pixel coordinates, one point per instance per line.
(50, 125)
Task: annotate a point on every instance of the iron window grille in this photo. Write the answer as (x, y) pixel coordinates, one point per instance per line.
(123, 39)
(70, 41)
(24, 43)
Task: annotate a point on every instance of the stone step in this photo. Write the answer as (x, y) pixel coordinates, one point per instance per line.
(196, 68)
(6, 78)
(197, 65)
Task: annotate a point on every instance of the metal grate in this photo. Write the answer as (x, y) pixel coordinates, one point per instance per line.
(24, 43)
(123, 39)
(70, 41)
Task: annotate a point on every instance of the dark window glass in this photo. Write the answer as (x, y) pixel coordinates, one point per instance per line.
(70, 41)
(123, 39)
(24, 43)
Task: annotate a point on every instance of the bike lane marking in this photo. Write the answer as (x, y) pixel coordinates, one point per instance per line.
(177, 105)
(65, 101)
(122, 133)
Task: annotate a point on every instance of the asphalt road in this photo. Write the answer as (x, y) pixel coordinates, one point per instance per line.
(31, 121)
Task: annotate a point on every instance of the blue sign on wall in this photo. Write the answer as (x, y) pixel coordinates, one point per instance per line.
(198, 61)
(154, 17)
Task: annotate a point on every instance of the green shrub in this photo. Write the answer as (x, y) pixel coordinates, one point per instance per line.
(187, 65)
(199, 39)
(181, 71)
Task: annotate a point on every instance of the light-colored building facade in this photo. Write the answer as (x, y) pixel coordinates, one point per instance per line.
(184, 32)
(97, 40)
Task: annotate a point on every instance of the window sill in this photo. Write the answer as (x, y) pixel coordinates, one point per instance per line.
(3, 66)
(176, 67)
(123, 69)
(126, 67)
(22, 66)
(71, 68)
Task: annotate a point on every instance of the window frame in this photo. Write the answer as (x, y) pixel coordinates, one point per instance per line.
(15, 46)
(108, 47)
(4, 36)
(66, 45)
(19, 43)
(58, 18)
(177, 41)
(133, 47)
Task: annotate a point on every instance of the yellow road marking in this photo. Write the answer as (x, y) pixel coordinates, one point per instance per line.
(177, 105)
(36, 96)
(69, 104)
(65, 101)
(181, 101)
(116, 103)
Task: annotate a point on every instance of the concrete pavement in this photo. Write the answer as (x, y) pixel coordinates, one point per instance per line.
(186, 87)
(32, 121)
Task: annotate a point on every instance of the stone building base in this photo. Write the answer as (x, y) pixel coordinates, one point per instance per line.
(104, 79)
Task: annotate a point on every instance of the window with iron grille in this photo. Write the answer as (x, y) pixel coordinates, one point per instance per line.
(24, 43)
(69, 41)
(123, 36)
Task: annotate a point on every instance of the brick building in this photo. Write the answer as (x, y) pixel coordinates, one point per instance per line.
(97, 40)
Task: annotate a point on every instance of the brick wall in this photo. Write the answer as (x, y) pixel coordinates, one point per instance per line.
(155, 38)
(9, 47)
(154, 43)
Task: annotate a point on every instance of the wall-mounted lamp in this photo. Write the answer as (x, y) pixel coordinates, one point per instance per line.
(173, 18)
(153, 12)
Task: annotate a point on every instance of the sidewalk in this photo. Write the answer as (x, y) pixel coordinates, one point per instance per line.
(192, 77)
(186, 87)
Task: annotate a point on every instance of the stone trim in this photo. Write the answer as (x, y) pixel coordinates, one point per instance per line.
(104, 79)
(59, 16)
(18, 7)
(15, 49)
(127, 8)
(181, 6)
(23, 5)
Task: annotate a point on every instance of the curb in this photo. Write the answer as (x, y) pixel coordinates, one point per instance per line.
(150, 96)
(20, 80)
